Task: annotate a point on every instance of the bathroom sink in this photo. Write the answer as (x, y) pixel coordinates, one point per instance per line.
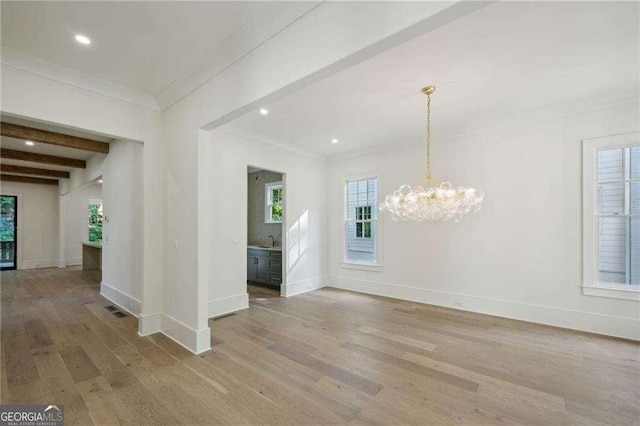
(264, 246)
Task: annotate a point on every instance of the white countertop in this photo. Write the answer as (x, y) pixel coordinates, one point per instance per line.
(265, 248)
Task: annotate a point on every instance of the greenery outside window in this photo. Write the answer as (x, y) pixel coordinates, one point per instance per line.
(95, 221)
(274, 202)
(363, 222)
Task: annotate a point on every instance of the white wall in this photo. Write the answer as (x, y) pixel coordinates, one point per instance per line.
(520, 257)
(37, 223)
(74, 206)
(122, 227)
(223, 225)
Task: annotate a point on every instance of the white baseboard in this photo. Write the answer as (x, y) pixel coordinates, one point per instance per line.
(227, 305)
(125, 301)
(302, 286)
(628, 328)
(62, 263)
(34, 264)
(73, 261)
(196, 341)
(149, 324)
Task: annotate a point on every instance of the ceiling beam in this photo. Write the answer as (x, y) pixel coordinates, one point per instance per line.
(28, 179)
(10, 168)
(11, 154)
(44, 136)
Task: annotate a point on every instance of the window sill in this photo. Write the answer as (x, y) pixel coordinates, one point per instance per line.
(612, 292)
(371, 267)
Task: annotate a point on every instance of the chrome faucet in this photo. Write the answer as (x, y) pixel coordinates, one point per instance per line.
(273, 241)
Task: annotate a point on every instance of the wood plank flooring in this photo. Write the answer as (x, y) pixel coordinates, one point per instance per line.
(325, 357)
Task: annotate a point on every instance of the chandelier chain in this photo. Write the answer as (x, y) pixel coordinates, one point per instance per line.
(429, 177)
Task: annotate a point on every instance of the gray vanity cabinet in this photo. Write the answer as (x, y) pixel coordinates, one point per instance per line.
(264, 266)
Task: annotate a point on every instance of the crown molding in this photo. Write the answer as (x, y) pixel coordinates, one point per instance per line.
(31, 64)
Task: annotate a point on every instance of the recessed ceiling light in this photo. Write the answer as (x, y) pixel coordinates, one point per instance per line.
(334, 140)
(100, 181)
(83, 39)
(29, 143)
(264, 111)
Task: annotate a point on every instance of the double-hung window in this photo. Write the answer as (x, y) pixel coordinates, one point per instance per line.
(274, 203)
(361, 217)
(611, 195)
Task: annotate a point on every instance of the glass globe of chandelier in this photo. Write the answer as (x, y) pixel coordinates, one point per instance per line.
(430, 199)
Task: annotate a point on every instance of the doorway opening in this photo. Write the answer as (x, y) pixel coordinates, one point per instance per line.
(8, 232)
(265, 232)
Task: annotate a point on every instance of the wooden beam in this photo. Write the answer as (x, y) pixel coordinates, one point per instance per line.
(44, 136)
(9, 168)
(12, 154)
(27, 179)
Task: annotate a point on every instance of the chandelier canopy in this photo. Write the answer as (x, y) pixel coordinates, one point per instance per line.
(431, 200)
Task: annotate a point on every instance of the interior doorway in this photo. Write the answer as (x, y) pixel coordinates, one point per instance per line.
(265, 232)
(8, 232)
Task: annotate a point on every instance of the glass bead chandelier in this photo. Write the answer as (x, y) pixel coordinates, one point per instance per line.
(431, 200)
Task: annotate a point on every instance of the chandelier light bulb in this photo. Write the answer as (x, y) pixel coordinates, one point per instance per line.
(431, 200)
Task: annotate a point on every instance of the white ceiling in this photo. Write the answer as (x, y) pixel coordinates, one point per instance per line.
(503, 63)
(143, 46)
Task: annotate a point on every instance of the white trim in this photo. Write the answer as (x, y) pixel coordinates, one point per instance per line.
(227, 305)
(372, 267)
(35, 264)
(628, 328)
(302, 286)
(123, 300)
(196, 341)
(31, 64)
(590, 147)
(613, 292)
(72, 261)
(149, 324)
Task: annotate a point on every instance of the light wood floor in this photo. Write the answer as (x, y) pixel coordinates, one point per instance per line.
(326, 357)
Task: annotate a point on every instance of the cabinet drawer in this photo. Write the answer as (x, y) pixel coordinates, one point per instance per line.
(275, 255)
(275, 279)
(275, 265)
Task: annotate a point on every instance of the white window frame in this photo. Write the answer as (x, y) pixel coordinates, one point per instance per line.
(375, 266)
(590, 285)
(363, 221)
(268, 202)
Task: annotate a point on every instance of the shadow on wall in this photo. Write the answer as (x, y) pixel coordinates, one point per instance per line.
(297, 241)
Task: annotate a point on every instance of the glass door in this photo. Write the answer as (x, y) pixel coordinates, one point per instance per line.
(8, 231)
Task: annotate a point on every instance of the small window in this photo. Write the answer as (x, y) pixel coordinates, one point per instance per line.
(612, 213)
(274, 203)
(95, 221)
(361, 221)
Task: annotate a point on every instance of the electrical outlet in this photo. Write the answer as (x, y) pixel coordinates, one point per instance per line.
(459, 304)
